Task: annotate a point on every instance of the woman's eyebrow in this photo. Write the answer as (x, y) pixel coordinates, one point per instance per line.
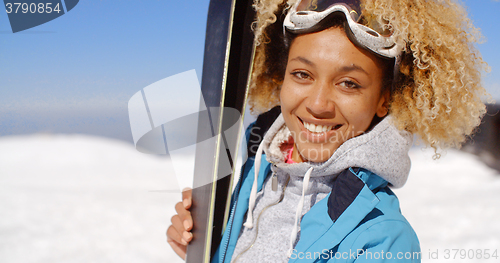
(343, 69)
(352, 67)
(304, 60)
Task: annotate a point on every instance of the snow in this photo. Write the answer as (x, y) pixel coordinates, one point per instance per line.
(77, 198)
(452, 203)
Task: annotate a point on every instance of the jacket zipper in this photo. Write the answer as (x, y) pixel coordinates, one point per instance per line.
(230, 220)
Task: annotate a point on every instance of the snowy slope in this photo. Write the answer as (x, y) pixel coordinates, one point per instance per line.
(76, 198)
(452, 203)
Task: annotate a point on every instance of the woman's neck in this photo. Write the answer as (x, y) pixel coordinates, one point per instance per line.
(296, 157)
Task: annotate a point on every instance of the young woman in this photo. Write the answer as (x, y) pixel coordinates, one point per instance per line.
(354, 80)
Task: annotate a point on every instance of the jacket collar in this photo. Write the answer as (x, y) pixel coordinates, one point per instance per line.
(317, 227)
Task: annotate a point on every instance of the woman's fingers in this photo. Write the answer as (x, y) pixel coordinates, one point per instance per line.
(185, 216)
(187, 195)
(176, 231)
(178, 234)
(179, 248)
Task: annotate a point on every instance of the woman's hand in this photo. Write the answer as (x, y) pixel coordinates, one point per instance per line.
(178, 234)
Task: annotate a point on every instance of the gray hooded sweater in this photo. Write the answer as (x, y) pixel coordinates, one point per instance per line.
(383, 150)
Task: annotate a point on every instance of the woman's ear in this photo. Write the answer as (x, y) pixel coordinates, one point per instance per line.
(383, 104)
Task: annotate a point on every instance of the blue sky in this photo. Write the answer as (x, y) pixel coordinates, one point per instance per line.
(77, 72)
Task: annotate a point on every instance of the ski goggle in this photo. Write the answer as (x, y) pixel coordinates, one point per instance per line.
(306, 16)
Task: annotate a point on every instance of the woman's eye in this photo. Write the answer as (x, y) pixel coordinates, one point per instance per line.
(349, 84)
(301, 75)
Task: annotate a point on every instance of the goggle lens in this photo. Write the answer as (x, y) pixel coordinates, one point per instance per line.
(322, 5)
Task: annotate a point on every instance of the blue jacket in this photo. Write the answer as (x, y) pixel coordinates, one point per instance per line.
(361, 222)
(358, 221)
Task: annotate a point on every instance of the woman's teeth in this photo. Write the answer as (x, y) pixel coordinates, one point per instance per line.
(317, 128)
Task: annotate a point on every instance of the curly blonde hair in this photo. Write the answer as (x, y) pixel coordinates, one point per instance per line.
(438, 91)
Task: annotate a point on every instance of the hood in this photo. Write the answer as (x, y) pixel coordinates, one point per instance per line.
(383, 151)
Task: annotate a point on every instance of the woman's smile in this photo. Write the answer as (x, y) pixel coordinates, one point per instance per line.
(318, 132)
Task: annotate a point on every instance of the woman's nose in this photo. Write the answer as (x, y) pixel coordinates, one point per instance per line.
(321, 101)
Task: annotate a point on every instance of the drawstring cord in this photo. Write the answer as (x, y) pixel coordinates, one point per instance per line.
(298, 212)
(253, 193)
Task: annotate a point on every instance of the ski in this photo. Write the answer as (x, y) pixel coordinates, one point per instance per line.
(228, 57)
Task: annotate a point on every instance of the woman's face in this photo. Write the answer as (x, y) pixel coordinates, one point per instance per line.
(330, 93)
